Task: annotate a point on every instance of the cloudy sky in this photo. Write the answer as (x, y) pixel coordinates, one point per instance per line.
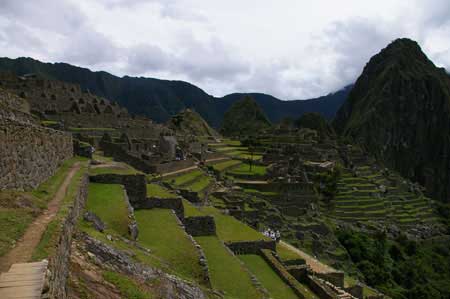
(293, 49)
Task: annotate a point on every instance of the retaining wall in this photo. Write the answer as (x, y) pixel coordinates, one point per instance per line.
(30, 154)
(59, 263)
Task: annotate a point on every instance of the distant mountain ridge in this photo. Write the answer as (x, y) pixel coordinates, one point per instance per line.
(162, 99)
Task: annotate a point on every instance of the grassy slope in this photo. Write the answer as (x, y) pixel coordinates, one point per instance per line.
(227, 273)
(185, 178)
(277, 288)
(155, 190)
(159, 231)
(224, 165)
(107, 202)
(244, 169)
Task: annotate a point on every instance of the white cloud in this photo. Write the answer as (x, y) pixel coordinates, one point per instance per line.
(290, 48)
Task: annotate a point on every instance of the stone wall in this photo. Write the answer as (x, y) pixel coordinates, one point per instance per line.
(200, 226)
(119, 153)
(251, 247)
(59, 263)
(30, 154)
(283, 273)
(318, 288)
(336, 278)
(175, 204)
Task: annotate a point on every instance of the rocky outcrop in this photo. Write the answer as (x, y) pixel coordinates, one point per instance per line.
(116, 260)
(399, 110)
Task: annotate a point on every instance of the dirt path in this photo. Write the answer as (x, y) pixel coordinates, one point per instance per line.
(24, 248)
(217, 159)
(315, 264)
(179, 171)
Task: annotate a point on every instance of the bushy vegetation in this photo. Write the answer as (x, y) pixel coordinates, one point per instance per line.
(328, 182)
(401, 268)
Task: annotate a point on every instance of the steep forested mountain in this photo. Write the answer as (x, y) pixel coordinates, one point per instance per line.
(399, 109)
(161, 99)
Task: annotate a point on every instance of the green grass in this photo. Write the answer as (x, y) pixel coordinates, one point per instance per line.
(49, 240)
(224, 165)
(128, 288)
(160, 232)
(286, 254)
(117, 168)
(244, 169)
(137, 253)
(107, 202)
(226, 272)
(190, 210)
(185, 178)
(270, 280)
(155, 190)
(229, 228)
(13, 223)
(200, 184)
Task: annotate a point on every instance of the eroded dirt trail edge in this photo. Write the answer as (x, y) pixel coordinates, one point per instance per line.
(24, 248)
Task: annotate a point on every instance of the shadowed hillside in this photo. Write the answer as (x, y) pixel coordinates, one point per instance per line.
(161, 99)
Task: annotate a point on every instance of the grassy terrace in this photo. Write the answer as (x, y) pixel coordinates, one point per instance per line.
(161, 233)
(115, 168)
(226, 271)
(107, 202)
(244, 169)
(155, 190)
(18, 209)
(224, 165)
(228, 228)
(270, 280)
(185, 178)
(200, 183)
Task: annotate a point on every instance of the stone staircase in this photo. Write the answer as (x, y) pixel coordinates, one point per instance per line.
(25, 280)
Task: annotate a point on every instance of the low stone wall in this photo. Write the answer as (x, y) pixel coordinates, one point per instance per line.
(282, 272)
(30, 154)
(320, 289)
(175, 204)
(200, 226)
(135, 185)
(59, 263)
(132, 225)
(336, 278)
(251, 247)
(356, 291)
(191, 196)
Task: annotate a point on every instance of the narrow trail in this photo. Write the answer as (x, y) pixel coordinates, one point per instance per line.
(24, 248)
(315, 264)
(179, 171)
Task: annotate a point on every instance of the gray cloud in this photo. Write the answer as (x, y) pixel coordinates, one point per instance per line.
(206, 45)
